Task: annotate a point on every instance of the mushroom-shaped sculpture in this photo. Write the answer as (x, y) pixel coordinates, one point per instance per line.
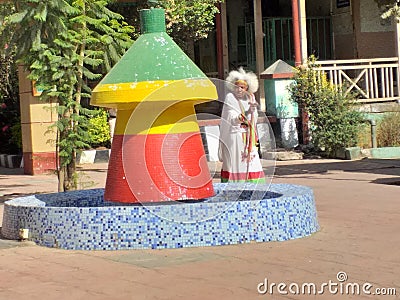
(157, 152)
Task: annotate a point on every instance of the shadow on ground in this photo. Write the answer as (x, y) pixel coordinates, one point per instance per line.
(374, 166)
(367, 165)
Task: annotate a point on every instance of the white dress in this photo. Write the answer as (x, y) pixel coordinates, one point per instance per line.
(238, 164)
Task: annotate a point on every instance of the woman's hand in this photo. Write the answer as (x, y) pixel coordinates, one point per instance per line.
(253, 107)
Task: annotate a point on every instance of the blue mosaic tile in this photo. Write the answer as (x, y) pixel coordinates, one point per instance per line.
(82, 220)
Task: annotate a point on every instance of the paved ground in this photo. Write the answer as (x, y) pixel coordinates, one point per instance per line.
(358, 204)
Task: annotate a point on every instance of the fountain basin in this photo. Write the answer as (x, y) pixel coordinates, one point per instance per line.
(238, 213)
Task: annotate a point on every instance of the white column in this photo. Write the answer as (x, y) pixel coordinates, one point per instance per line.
(303, 31)
(396, 19)
(259, 38)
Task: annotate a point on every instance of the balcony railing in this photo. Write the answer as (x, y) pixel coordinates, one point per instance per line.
(373, 80)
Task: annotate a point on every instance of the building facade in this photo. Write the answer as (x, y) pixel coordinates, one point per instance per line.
(256, 33)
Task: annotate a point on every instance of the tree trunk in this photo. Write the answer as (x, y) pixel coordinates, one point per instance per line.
(72, 182)
(67, 179)
(61, 176)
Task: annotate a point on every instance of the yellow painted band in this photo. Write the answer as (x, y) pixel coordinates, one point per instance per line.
(158, 118)
(126, 95)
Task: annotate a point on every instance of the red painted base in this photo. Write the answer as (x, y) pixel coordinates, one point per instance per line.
(39, 163)
(157, 168)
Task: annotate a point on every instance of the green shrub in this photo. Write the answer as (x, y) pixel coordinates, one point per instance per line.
(9, 106)
(99, 130)
(16, 135)
(364, 136)
(388, 130)
(334, 120)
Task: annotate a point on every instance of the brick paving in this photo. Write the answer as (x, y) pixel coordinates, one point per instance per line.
(358, 205)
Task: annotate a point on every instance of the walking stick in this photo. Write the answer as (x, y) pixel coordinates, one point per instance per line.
(250, 136)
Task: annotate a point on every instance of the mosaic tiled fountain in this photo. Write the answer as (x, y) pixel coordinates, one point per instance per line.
(159, 191)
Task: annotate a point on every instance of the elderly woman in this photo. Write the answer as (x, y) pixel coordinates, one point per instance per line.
(238, 132)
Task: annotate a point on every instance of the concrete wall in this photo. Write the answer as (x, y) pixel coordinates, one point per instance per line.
(375, 36)
(317, 8)
(343, 40)
(236, 18)
(359, 31)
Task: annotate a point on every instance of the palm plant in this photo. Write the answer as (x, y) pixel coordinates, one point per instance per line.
(65, 44)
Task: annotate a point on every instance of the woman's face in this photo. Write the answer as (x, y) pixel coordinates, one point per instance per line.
(240, 89)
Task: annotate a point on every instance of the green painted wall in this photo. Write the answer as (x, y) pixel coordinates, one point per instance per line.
(278, 99)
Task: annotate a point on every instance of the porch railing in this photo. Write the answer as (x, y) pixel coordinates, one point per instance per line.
(373, 80)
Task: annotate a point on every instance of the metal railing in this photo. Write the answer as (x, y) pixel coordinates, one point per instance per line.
(278, 40)
(373, 80)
